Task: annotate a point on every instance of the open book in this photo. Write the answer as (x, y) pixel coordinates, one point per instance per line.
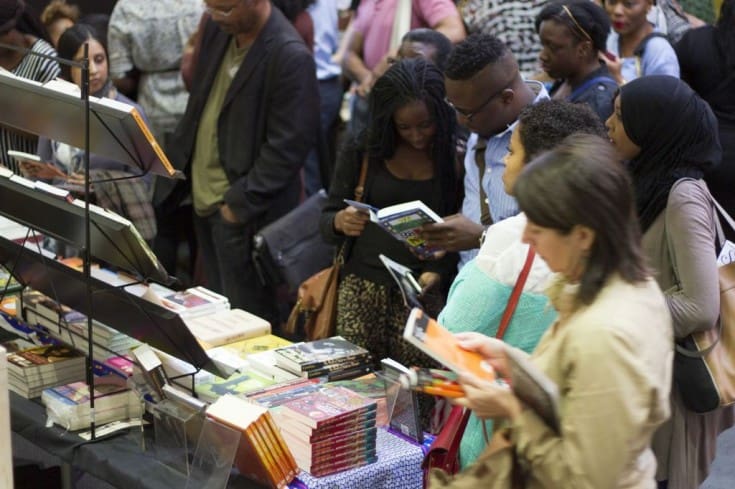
(402, 221)
(407, 283)
(528, 382)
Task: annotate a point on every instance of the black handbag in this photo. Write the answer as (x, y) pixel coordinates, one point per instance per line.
(291, 249)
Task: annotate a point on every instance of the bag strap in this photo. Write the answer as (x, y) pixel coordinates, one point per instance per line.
(515, 295)
(360, 188)
(679, 348)
(584, 86)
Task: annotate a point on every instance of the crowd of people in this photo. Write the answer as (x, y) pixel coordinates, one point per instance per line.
(587, 136)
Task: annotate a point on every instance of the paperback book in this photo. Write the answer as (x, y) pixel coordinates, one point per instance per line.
(528, 382)
(312, 355)
(402, 222)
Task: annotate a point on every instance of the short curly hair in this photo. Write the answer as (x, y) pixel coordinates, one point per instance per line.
(473, 54)
(542, 126)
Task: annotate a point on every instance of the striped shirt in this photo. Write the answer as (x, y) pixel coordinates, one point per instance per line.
(37, 69)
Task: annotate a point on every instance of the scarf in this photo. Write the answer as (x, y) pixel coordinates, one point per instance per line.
(677, 133)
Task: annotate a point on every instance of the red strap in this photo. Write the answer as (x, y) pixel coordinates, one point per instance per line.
(515, 295)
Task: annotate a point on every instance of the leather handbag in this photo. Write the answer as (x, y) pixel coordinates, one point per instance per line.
(316, 300)
(704, 362)
(444, 451)
(291, 249)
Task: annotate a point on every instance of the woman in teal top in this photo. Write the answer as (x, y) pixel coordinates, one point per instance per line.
(480, 292)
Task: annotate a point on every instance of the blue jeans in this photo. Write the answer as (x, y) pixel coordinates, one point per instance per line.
(226, 257)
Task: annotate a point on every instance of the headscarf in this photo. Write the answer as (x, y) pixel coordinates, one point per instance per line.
(678, 136)
(10, 12)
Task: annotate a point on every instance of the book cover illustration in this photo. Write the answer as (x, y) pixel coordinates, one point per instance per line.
(239, 383)
(314, 354)
(436, 341)
(43, 355)
(402, 221)
(326, 405)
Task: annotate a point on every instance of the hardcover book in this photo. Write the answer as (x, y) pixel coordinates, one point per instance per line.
(402, 222)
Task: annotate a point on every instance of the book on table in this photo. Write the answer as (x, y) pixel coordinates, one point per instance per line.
(402, 222)
(329, 430)
(532, 386)
(403, 404)
(262, 454)
(226, 326)
(321, 356)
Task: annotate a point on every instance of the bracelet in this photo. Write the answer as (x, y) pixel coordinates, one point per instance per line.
(482, 237)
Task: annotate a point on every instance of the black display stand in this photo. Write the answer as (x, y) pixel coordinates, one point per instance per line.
(112, 306)
(114, 130)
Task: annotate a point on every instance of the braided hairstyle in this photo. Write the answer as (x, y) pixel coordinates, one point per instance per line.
(407, 81)
(473, 54)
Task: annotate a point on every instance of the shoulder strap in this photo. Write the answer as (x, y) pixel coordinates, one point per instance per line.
(640, 49)
(360, 188)
(592, 81)
(515, 295)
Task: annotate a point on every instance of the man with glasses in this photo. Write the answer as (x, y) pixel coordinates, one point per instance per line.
(250, 121)
(486, 90)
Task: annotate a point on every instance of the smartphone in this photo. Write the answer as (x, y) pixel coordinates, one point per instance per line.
(21, 155)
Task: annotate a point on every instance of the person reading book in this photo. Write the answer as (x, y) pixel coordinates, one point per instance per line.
(613, 375)
(409, 146)
(63, 165)
(480, 292)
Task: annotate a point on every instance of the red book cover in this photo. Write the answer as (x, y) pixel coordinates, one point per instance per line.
(326, 406)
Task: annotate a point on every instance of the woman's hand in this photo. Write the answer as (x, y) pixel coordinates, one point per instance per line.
(488, 399)
(491, 349)
(614, 65)
(350, 221)
(428, 281)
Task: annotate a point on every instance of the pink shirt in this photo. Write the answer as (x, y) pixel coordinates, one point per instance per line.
(374, 21)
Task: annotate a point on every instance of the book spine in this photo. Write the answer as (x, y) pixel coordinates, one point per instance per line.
(265, 452)
(152, 140)
(314, 365)
(288, 461)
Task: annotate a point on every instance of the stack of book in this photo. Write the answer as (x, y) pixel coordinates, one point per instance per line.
(189, 303)
(371, 386)
(262, 454)
(226, 326)
(68, 405)
(329, 430)
(236, 356)
(335, 358)
(70, 326)
(35, 369)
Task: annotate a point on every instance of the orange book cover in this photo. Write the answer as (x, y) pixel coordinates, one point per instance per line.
(288, 461)
(241, 415)
(265, 452)
(439, 343)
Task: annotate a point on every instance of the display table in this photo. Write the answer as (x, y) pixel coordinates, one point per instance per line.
(120, 461)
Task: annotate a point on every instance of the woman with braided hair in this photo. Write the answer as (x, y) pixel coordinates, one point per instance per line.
(409, 146)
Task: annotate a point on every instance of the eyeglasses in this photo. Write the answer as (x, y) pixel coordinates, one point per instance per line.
(576, 24)
(469, 114)
(226, 12)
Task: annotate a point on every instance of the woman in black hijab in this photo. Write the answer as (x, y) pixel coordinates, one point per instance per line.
(668, 137)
